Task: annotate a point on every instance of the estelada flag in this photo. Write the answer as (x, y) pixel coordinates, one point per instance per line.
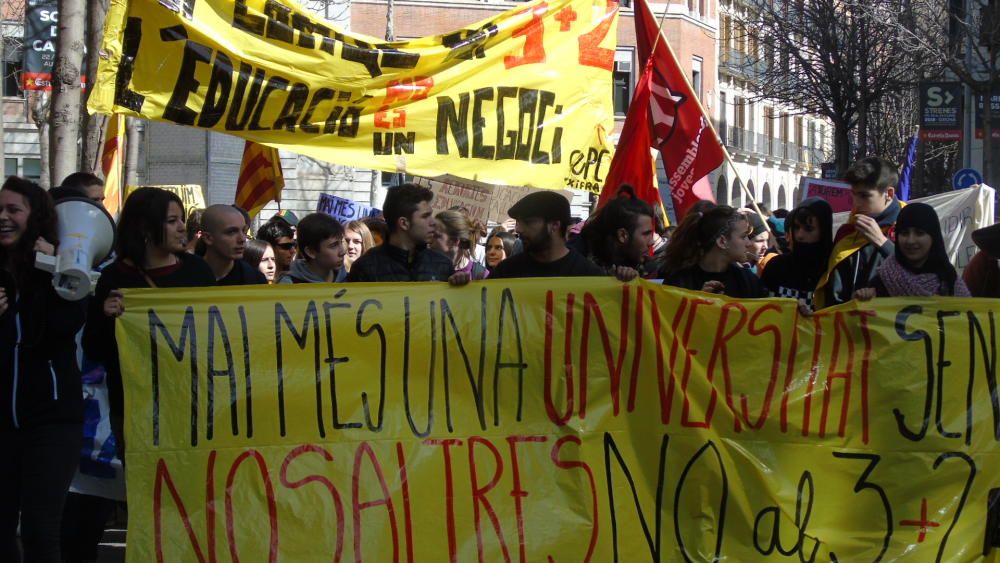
(112, 162)
(679, 128)
(261, 180)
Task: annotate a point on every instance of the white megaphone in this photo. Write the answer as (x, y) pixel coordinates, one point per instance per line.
(86, 237)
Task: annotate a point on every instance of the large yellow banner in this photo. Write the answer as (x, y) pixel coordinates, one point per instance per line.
(549, 420)
(523, 98)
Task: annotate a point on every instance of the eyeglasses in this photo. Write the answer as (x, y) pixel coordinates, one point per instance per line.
(286, 245)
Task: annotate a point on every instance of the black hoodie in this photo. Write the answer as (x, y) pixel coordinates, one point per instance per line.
(796, 273)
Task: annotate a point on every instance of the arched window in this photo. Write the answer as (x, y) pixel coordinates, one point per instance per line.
(722, 190)
(736, 196)
(766, 195)
(782, 201)
(752, 190)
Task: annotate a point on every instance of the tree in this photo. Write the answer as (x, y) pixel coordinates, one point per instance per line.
(65, 110)
(93, 125)
(826, 57)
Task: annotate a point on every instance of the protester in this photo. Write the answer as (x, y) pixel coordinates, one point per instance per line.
(193, 230)
(982, 275)
(41, 398)
(619, 235)
(405, 255)
(795, 273)
(919, 266)
(86, 184)
(260, 256)
(321, 251)
(223, 241)
(359, 240)
(378, 228)
(455, 238)
(542, 219)
(866, 240)
(705, 251)
(658, 249)
(499, 246)
(759, 238)
(151, 247)
(279, 234)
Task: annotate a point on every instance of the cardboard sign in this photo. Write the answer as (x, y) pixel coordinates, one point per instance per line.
(344, 210)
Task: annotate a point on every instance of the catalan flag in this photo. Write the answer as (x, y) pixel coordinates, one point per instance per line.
(260, 179)
(112, 162)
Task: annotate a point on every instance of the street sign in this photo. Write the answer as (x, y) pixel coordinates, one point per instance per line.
(941, 111)
(965, 178)
(994, 115)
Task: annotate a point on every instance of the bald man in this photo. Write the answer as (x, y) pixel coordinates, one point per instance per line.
(223, 238)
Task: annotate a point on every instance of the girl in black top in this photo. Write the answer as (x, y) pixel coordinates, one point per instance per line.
(41, 400)
(150, 246)
(704, 252)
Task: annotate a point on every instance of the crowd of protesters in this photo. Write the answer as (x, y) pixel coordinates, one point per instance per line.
(885, 249)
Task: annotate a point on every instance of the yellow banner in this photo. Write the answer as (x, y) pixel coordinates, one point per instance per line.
(523, 98)
(531, 421)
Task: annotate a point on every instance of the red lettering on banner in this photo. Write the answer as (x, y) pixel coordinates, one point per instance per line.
(719, 349)
(789, 373)
(163, 478)
(272, 505)
(667, 399)
(865, 357)
(479, 496)
(636, 350)
(412, 89)
(772, 382)
(365, 451)
(840, 331)
(689, 355)
(517, 492)
(614, 365)
(595, 527)
(534, 38)
(813, 372)
(449, 492)
(338, 505)
(550, 407)
(591, 52)
(404, 486)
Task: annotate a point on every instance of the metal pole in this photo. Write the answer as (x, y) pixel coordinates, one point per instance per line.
(969, 132)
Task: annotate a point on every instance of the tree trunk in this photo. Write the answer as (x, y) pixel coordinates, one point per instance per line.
(842, 147)
(93, 125)
(65, 114)
(132, 141)
(39, 102)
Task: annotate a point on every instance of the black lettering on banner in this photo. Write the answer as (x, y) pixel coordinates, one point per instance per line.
(430, 370)
(345, 122)
(321, 95)
(480, 150)
(448, 119)
(989, 363)
(283, 319)
(219, 86)
(475, 380)
(506, 148)
(362, 53)
(183, 7)
(216, 322)
(394, 58)
(333, 360)
(131, 38)
(654, 544)
(305, 27)
(393, 142)
(246, 370)
(233, 121)
(177, 349)
(915, 336)
(468, 44)
(862, 484)
(278, 18)
(245, 21)
(507, 305)
(801, 524)
(275, 83)
(527, 99)
(292, 109)
(941, 364)
(961, 501)
(186, 83)
(538, 156)
(723, 501)
(377, 328)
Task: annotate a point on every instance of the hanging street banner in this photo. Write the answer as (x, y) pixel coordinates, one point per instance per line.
(527, 420)
(521, 98)
(41, 28)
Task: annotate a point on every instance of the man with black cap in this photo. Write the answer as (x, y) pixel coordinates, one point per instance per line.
(541, 222)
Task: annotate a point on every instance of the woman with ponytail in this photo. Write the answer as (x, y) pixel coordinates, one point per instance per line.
(705, 251)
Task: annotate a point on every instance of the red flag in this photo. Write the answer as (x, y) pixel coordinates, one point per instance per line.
(633, 161)
(680, 130)
(261, 180)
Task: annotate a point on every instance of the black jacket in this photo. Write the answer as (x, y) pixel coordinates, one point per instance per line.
(737, 281)
(860, 268)
(388, 263)
(39, 375)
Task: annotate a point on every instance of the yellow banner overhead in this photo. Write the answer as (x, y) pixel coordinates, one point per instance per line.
(531, 421)
(523, 98)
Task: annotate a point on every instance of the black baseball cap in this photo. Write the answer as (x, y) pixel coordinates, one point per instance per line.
(550, 206)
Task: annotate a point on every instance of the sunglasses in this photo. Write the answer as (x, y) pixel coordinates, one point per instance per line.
(286, 245)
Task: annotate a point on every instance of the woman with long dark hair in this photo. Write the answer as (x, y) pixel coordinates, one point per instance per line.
(41, 400)
(151, 248)
(704, 254)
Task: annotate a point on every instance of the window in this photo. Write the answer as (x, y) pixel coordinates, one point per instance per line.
(12, 54)
(9, 167)
(622, 81)
(696, 76)
(31, 168)
(739, 111)
(726, 34)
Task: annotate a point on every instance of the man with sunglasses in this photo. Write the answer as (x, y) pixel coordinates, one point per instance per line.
(279, 234)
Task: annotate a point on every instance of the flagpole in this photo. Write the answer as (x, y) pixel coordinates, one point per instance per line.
(711, 126)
